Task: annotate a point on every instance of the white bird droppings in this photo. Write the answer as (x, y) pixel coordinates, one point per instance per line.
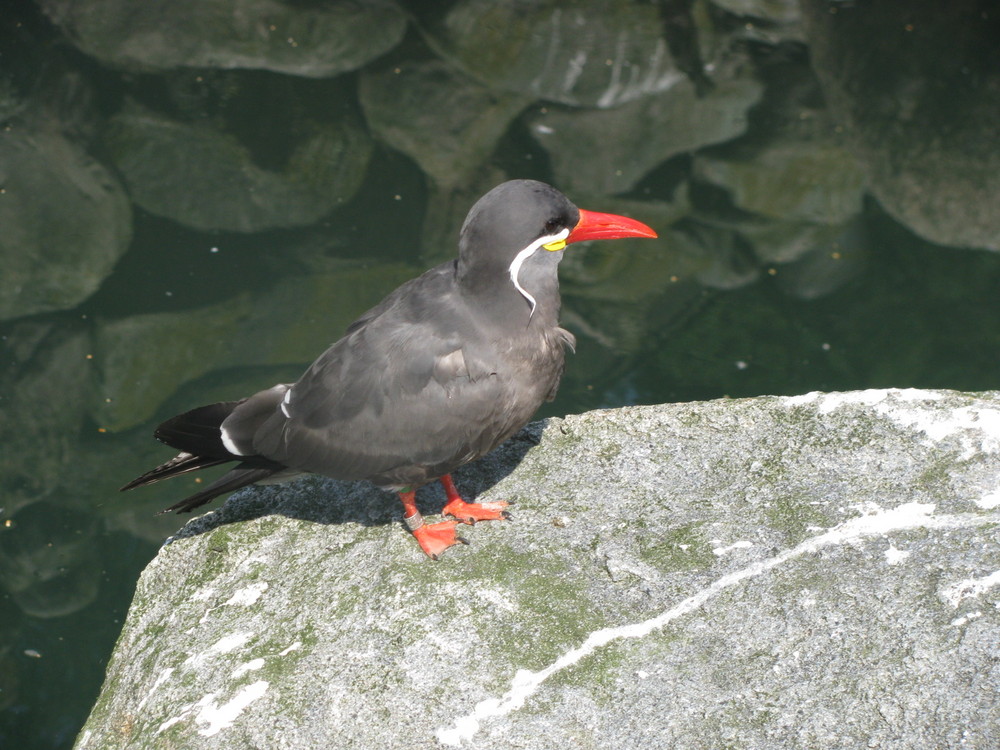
(720, 551)
(227, 643)
(163, 677)
(250, 666)
(990, 500)
(972, 587)
(249, 595)
(894, 556)
(216, 718)
(975, 429)
(222, 646)
(526, 683)
(960, 621)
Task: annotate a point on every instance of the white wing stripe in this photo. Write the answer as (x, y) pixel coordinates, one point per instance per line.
(229, 443)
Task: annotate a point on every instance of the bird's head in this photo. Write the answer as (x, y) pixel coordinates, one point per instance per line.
(515, 235)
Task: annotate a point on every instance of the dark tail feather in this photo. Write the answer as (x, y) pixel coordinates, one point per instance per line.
(197, 431)
(197, 435)
(241, 476)
(176, 466)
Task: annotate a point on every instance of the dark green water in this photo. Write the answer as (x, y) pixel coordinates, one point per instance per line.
(177, 229)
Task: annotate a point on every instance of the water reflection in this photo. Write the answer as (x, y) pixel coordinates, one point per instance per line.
(194, 202)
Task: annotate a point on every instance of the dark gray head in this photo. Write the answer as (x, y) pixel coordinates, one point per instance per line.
(512, 241)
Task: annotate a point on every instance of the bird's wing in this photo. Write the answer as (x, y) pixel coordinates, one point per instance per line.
(399, 390)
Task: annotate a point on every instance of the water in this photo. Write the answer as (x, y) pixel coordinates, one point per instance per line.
(173, 236)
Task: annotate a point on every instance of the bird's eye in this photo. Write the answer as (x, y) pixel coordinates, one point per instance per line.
(552, 226)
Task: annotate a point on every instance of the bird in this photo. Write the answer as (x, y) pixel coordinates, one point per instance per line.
(439, 373)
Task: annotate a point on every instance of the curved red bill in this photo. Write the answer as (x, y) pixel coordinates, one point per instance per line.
(597, 226)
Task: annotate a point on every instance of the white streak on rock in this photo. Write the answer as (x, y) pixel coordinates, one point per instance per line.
(221, 646)
(828, 402)
(185, 712)
(720, 551)
(989, 501)
(526, 683)
(250, 666)
(960, 621)
(249, 595)
(170, 722)
(977, 428)
(222, 717)
(163, 677)
(203, 594)
(971, 588)
(894, 556)
(228, 643)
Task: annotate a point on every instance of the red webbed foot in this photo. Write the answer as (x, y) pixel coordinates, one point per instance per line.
(469, 513)
(435, 538)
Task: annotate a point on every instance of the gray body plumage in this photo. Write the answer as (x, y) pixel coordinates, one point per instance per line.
(439, 373)
(423, 383)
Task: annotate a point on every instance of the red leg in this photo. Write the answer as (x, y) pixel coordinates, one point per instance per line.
(465, 512)
(434, 538)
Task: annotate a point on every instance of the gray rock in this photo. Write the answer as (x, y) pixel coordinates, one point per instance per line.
(778, 241)
(11, 104)
(779, 11)
(305, 39)
(793, 182)
(12, 668)
(47, 569)
(801, 180)
(55, 252)
(810, 260)
(726, 265)
(916, 92)
(828, 264)
(590, 53)
(771, 22)
(445, 121)
(204, 177)
(43, 403)
(815, 571)
(609, 151)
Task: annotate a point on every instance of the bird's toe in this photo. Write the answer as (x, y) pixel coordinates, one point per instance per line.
(472, 512)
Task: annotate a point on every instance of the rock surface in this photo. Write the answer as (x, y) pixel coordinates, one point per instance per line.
(446, 122)
(305, 39)
(56, 252)
(917, 90)
(590, 53)
(813, 571)
(588, 150)
(160, 158)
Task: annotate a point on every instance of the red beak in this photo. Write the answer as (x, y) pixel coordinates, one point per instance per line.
(595, 226)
